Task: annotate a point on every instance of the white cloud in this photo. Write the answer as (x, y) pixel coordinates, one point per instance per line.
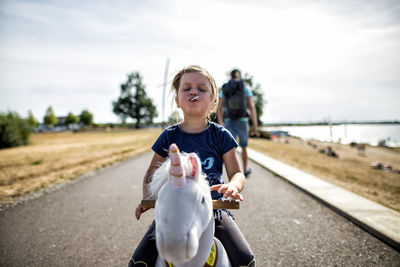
(309, 57)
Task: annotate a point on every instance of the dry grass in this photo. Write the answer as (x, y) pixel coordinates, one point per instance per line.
(53, 158)
(57, 157)
(350, 171)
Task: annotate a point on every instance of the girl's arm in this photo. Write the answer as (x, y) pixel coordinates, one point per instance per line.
(235, 175)
(154, 164)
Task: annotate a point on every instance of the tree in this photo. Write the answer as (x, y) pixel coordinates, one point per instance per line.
(14, 131)
(71, 118)
(258, 96)
(175, 117)
(31, 119)
(49, 118)
(86, 117)
(134, 103)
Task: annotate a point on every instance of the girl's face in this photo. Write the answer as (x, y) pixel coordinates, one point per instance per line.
(194, 94)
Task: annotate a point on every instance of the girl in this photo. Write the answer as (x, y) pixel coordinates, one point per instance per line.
(197, 95)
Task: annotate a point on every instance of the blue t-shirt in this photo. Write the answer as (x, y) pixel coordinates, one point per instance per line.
(210, 145)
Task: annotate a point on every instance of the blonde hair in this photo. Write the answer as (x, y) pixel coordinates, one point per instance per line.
(197, 69)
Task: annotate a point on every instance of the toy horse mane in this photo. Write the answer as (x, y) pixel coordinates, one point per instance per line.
(161, 175)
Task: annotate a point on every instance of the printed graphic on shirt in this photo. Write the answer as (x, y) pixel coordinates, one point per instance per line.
(213, 179)
(208, 163)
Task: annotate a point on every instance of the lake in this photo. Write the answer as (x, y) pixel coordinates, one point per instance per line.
(346, 133)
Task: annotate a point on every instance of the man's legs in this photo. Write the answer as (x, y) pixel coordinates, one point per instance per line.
(240, 128)
(243, 133)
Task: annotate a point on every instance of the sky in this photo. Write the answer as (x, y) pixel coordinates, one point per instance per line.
(314, 60)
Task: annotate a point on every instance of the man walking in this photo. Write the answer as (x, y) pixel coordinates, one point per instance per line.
(234, 100)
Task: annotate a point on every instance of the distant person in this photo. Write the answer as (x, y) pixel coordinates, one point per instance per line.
(235, 99)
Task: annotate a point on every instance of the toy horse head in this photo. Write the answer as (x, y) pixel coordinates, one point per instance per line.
(183, 211)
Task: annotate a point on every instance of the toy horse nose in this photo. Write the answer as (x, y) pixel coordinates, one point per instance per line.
(177, 248)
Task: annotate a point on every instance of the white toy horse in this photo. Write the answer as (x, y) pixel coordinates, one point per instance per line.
(184, 214)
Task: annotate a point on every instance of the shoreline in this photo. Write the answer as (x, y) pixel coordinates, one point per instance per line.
(388, 122)
(385, 135)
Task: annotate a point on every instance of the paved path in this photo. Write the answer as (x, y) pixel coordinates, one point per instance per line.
(376, 219)
(91, 223)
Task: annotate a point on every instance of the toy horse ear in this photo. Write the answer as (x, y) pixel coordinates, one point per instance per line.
(176, 171)
(194, 166)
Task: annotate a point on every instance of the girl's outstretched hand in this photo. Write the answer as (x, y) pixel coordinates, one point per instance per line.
(139, 210)
(228, 190)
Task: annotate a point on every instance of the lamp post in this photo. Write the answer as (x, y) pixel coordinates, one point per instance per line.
(164, 89)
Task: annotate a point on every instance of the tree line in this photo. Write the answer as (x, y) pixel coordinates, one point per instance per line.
(50, 119)
(133, 103)
(15, 130)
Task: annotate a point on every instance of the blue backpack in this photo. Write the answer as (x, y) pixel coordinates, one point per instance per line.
(235, 99)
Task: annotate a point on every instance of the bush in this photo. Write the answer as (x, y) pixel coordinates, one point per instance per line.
(14, 131)
(86, 117)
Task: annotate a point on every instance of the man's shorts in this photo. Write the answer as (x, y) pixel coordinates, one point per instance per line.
(238, 128)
